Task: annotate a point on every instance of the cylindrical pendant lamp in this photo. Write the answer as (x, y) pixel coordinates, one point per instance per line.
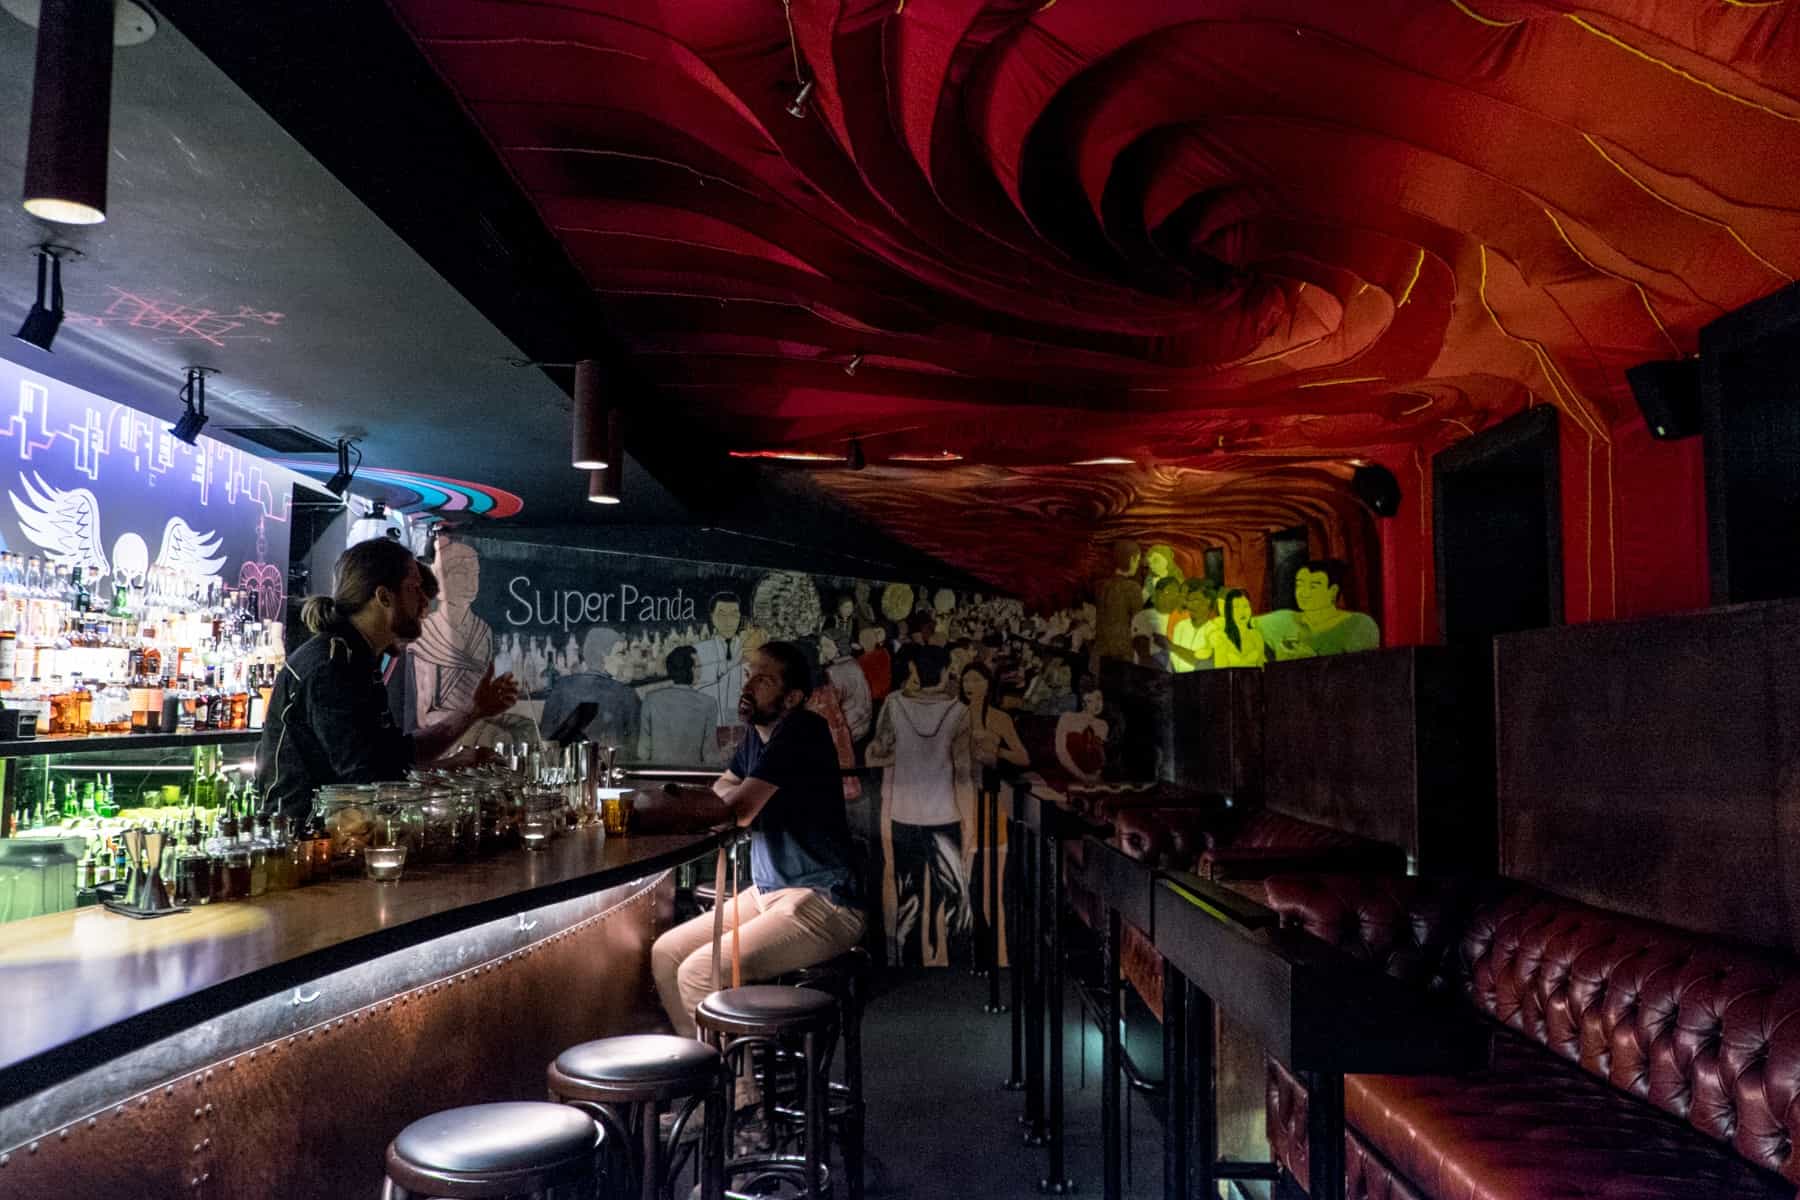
(71, 112)
(595, 424)
(603, 486)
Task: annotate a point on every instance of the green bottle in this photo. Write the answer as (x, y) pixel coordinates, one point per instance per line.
(206, 794)
(104, 795)
(87, 800)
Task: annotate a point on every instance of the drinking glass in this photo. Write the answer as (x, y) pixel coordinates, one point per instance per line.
(615, 813)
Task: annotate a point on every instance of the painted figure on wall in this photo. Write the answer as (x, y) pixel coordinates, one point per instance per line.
(1081, 737)
(720, 670)
(922, 738)
(1159, 564)
(455, 648)
(1235, 640)
(678, 723)
(1120, 595)
(1317, 625)
(616, 712)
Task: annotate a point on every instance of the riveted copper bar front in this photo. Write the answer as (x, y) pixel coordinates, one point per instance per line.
(308, 1113)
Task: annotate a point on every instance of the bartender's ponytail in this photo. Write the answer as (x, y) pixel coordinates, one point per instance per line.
(364, 567)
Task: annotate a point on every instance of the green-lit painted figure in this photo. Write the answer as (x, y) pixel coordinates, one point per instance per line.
(1318, 626)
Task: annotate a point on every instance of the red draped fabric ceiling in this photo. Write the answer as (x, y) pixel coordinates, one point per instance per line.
(1247, 241)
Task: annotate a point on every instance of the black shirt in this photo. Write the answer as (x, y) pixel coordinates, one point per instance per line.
(328, 722)
(801, 837)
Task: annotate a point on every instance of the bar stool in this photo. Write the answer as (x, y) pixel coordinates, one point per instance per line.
(767, 1017)
(846, 979)
(627, 1083)
(517, 1148)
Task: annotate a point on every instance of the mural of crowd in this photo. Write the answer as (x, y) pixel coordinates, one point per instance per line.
(933, 697)
(1150, 614)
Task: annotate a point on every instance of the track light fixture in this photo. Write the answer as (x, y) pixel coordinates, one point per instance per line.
(603, 486)
(797, 106)
(596, 427)
(46, 315)
(187, 427)
(856, 361)
(339, 483)
(853, 457)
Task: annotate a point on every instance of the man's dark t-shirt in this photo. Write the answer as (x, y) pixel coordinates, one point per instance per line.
(801, 837)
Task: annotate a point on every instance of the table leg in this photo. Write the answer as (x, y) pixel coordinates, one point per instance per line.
(1031, 902)
(1325, 1133)
(1177, 1123)
(1057, 1182)
(1016, 938)
(992, 862)
(1111, 1186)
(1202, 1093)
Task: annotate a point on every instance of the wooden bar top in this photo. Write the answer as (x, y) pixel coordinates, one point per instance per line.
(92, 976)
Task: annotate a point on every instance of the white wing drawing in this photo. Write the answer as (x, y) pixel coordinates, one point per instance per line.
(65, 525)
(188, 550)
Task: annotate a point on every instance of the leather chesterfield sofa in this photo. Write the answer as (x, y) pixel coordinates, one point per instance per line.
(1628, 1059)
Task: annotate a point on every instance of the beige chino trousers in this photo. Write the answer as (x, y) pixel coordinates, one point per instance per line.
(780, 931)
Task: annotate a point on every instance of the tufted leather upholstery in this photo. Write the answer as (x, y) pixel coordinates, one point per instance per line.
(1644, 1061)
(1272, 843)
(1284, 1115)
(1408, 926)
(1366, 1177)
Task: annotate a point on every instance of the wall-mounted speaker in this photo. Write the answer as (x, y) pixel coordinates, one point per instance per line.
(1377, 488)
(1668, 393)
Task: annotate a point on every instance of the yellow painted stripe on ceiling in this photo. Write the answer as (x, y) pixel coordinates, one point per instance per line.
(1592, 265)
(1714, 88)
(1338, 382)
(1418, 266)
(1698, 216)
(1488, 21)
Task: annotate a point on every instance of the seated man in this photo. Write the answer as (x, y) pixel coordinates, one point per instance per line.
(804, 907)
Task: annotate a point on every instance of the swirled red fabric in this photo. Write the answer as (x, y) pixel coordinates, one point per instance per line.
(1250, 242)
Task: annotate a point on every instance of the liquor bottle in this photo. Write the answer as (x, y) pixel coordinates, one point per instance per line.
(205, 790)
(81, 598)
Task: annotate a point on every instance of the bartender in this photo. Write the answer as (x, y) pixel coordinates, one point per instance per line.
(329, 720)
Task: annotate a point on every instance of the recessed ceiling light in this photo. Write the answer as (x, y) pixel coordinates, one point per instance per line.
(1104, 462)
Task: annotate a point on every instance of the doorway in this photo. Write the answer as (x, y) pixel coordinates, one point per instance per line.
(1498, 529)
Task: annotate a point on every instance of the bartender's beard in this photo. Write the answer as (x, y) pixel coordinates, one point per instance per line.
(407, 628)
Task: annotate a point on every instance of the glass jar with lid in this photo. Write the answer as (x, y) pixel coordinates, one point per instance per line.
(349, 813)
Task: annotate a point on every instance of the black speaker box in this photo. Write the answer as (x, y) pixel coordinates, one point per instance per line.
(1668, 393)
(1377, 488)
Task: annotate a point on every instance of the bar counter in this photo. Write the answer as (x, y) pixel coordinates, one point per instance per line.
(109, 1015)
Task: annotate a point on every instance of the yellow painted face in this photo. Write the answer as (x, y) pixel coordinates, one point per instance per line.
(1314, 591)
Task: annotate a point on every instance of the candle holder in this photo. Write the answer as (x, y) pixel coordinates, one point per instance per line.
(384, 863)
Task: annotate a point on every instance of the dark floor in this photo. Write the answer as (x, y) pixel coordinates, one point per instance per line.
(939, 1123)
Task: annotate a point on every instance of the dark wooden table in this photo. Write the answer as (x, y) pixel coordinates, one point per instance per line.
(1320, 1012)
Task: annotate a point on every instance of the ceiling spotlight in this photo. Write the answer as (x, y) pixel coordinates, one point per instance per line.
(853, 458)
(46, 315)
(339, 483)
(603, 486)
(1109, 461)
(596, 432)
(71, 105)
(797, 107)
(187, 427)
(856, 360)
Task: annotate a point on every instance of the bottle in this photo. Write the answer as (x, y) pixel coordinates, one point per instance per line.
(205, 789)
(81, 599)
(256, 844)
(9, 658)
(193, 870)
